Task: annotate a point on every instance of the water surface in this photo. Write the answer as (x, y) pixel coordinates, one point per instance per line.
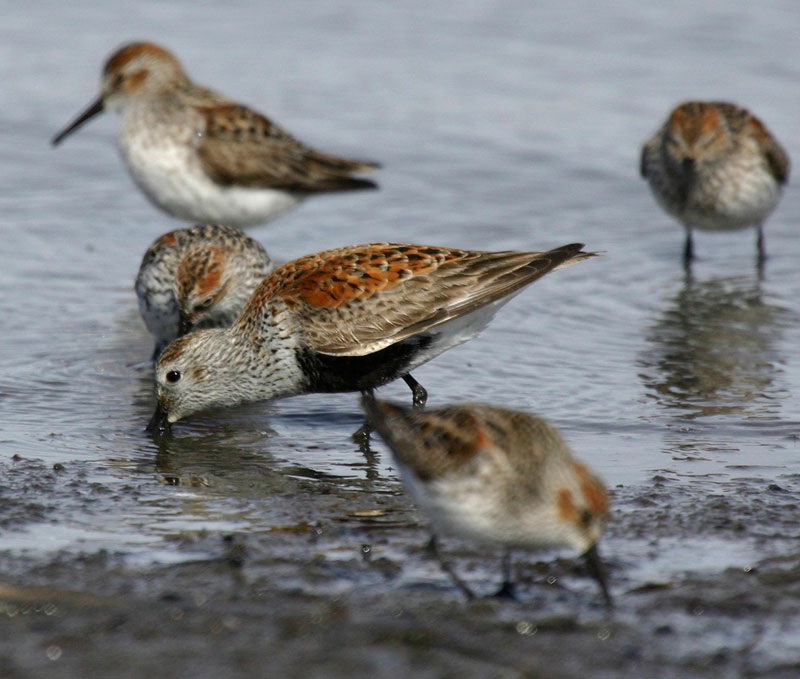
(499, 125)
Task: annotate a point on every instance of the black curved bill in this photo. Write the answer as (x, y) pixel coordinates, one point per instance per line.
(159, 424)
(184, 326)
(95, 108)
(596, 570)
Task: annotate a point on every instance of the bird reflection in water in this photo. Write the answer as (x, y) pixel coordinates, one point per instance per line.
(714, 349)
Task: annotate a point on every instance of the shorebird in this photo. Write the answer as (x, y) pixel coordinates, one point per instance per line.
(502, 478)
(197, 277)
(202, 157)
(349, 319)
(715, 167)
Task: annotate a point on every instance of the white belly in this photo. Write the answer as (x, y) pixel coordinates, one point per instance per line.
(739, 194)
(459, 330)
(163, 163)
(738, 205)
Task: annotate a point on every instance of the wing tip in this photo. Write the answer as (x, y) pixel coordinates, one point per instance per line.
(575, 251)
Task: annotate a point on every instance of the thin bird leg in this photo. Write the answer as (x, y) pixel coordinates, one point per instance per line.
(762, 255)
(420, 396)
(434, 547)
(688, 248)
(506, 590)
(361, 436)
(430, 547)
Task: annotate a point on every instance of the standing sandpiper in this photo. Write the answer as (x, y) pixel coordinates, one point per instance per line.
(200, 156)
(499, 477)
(715, 167)
(199, 277)
(349, 319)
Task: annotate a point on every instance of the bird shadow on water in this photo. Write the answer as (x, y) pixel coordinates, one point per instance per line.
(713, 354)
(240, 439)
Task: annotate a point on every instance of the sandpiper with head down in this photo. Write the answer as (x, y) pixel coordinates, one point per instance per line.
(715, 167)
(502, 478)
(198, 277)
(349, 319)
(202, 157)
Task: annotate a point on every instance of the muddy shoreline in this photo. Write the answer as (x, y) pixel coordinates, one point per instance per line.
(344, 587)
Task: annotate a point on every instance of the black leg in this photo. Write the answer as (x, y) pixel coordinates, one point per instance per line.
(762, 255)
(688, 248)
(361, 435)
(433, 545)
(506, 590)
(430, 547)
(419, 395)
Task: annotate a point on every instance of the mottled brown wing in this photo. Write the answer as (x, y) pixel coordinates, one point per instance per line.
(741, 119)
(777, 159)
(432, 444)
(354, 301)
(648, 148)
(240, 147)
(643, 162)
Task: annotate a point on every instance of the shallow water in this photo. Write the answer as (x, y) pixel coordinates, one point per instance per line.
(499, 125)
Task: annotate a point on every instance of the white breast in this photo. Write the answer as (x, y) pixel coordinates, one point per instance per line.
(160, 156)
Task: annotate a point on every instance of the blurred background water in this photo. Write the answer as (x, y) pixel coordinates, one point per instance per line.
(499, 125)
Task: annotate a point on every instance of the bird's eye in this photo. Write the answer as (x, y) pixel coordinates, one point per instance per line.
(118, 80)
(205, 304)
(586, 518)
(173, 376)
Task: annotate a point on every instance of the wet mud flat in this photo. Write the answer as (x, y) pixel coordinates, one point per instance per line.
(340, 585)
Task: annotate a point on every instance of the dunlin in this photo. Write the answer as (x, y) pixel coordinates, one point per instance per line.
(200, 156)
(715, 167)
(498, 477)
(349, 319)
(197, 277)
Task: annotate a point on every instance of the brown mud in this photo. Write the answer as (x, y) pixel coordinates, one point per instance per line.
(344, 587)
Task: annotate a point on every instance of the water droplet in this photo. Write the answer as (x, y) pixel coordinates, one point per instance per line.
(526, 628)
(552, 579)
(54, 652)
(604, 634)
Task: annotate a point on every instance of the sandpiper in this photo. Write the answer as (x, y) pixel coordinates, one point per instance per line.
(200, 156)
(197, 278)
(502, 478)
(715, 167)
(349, 319)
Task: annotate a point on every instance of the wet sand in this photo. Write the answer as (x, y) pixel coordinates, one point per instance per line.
(346, 588)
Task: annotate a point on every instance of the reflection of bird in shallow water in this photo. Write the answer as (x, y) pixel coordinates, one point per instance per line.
(713, 349)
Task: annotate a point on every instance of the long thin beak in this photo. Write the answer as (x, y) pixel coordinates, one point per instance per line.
(95, 108)
(159, 424)
(596, 570)
(185, 325)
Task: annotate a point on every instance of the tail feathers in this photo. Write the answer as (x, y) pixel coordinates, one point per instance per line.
(337, 183)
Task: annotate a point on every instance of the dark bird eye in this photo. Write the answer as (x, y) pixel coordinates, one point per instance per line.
(205, 304)
(586, 515)
(118, 80)
(173, 376)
